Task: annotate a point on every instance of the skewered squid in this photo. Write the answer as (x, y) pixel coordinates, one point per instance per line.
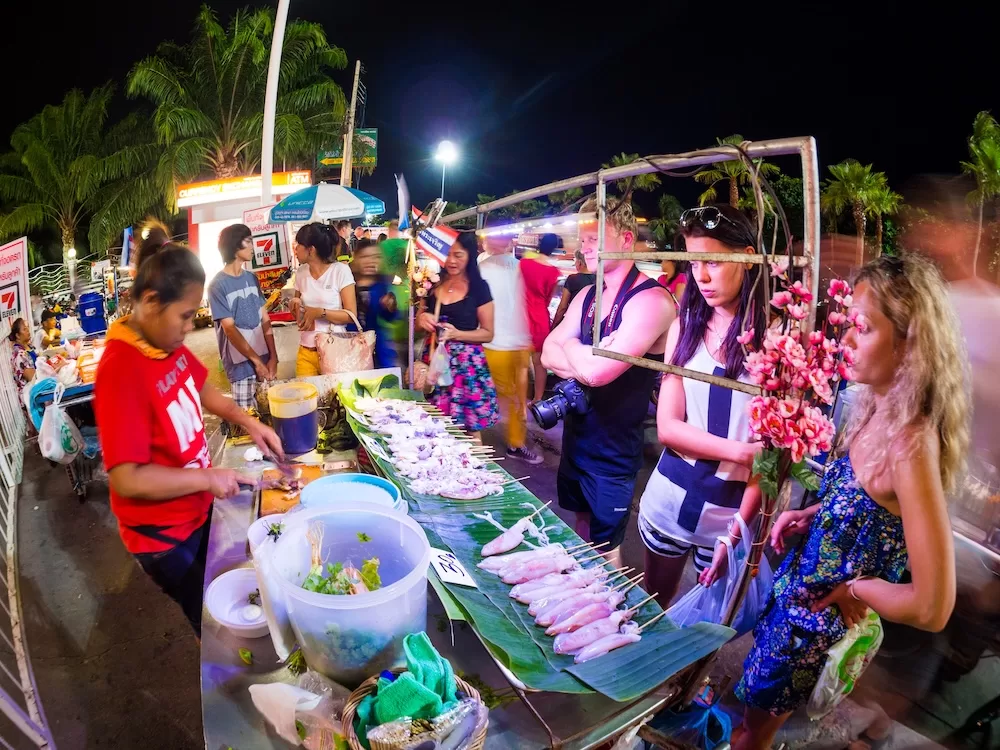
(608, 643)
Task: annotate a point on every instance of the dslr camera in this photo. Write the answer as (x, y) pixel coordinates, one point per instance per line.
(569, 396)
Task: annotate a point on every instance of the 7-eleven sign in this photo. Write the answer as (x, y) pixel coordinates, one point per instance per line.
(265, 251)
(14, 281)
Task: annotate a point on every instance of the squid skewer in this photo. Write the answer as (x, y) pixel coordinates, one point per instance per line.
(553, 613)
(526, 593)
(513, 536)
(585, 616)
(496, 563)
(533, 569)
(610, 642)
(568, 643)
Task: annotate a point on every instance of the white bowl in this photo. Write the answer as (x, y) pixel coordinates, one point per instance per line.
(226, 599)
(257, 533)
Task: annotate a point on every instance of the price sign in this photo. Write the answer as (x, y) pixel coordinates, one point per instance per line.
(449, 569)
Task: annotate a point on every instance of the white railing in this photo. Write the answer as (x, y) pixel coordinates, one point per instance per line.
(25, 720)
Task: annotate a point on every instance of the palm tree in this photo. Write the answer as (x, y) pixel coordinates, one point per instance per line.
(734, 172)
(851, 188)
(565, 199)
(643, 182)
(984, 166)
(209, 96)
(664, 227)
(68, 167)
(882, 202)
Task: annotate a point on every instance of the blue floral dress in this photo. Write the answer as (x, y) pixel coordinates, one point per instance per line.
(851, 535)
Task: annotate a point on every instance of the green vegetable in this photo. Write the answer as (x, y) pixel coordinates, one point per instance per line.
(296, 662)
(254, 597)
(246, 655)
(363, 537)
(301, 729)
(369, 574)
(274, 530)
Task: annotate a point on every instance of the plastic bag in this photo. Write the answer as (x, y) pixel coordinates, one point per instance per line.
(307, 714)
(439, 372)
(58, 438)
(708, 604)
(845, 662)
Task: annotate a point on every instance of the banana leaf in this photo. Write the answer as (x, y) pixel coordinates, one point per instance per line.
(506, 627)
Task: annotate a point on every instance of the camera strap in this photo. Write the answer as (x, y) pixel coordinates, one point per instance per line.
(611, 322)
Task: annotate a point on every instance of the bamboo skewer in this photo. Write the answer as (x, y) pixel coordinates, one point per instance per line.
(646, 601)
(595, 557)
(651, 621)
(634, 581)
(538, 511)
(588, 546)
(518, 479)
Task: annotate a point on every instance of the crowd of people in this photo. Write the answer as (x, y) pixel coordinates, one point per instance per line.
(884, 491)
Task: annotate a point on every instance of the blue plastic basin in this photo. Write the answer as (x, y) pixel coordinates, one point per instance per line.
(340, 488)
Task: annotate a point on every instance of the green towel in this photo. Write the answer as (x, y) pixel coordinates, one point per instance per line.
(424, 691)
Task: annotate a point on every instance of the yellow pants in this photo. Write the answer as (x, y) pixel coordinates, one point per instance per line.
(307, 363)
(510, 376)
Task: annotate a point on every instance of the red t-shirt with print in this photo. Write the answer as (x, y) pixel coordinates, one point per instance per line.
(149, 412)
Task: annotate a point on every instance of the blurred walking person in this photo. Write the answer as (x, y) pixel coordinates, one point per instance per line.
(509, 353)
(574, 284)
(540, 279)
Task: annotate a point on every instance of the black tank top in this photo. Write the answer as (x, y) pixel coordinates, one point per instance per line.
(607, 440)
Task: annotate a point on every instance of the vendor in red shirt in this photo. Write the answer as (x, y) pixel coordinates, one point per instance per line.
(149, 394)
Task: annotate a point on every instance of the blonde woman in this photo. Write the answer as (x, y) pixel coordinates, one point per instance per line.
(883, 494)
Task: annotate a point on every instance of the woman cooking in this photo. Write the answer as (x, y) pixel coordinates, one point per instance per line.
(149, 397)
(463, 313)
(324, 291)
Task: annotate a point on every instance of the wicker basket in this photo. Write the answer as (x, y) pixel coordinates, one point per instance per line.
(368, 686)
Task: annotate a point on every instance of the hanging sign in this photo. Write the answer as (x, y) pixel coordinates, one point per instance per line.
(14, 298)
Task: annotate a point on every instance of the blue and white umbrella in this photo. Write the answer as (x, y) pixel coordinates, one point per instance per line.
(326, 202)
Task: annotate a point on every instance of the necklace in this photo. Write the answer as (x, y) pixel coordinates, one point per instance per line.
(718, 339)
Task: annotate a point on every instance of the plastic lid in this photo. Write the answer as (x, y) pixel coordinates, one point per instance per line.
(290, 393)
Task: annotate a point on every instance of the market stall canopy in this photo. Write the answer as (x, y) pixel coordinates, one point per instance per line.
(325, 202)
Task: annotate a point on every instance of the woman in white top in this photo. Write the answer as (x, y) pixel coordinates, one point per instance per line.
(703, 476)
(324, 292)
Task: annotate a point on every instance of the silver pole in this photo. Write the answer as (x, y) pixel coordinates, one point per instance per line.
(602, 216)
(345, 168)
(444, 166)
(271, 103)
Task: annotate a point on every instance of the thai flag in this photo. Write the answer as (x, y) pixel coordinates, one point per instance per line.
(435, 241)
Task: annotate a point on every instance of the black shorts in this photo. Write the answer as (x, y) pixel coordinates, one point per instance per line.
(180, 572)
(608, 500)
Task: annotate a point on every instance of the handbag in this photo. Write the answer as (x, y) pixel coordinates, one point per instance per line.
(708, 604)
(421, 370)
(346, 351)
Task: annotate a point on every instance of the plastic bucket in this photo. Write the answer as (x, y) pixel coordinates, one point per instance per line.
(294, 415)
(351, 638)
(91, 311)
(340, 488)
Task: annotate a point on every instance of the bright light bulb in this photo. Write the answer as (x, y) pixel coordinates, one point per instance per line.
(447, 153)
(71, 253)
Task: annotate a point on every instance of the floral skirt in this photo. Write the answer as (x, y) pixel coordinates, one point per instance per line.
(471, 399)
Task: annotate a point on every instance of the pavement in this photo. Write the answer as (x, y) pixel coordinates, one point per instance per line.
(118, 667)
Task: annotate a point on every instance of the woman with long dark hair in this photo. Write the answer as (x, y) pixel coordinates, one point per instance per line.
(703, 476)
(324, 291)
(23, 356)
(461, 308)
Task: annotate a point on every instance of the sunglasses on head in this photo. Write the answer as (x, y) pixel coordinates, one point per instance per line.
(708, 217)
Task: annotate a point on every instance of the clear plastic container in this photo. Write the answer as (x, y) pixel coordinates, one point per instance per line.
(335, 489)
(351, 638)
(294, 415)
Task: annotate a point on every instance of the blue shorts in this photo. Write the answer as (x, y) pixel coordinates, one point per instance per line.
(608, 500)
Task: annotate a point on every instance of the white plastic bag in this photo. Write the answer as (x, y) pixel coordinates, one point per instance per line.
(708, 604)
(439, 372)
(58, 438)
(845, 661)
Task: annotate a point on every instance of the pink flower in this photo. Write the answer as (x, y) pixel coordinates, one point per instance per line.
(746, 337)
(800, 291)
(838, 288)
(845, 371)
(860, 322)
(787, 408)
(781, 299)
(772, 384)
(816, 337)
(799, 381)
(835, 318)
(847, 301)
(774, 426)
(779, 267)
(848, 353)
(819, 381)
(798, 312)
(798, 448)
(756, 408)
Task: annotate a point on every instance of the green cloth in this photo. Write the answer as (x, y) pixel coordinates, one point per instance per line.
(424, 691)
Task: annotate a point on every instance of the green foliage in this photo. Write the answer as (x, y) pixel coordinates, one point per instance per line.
(734, 173)
(640, 183)
(209, 96)
(790, 194)
(70, 166)
(664, 227)
(984, 166)
(805, 476)
(246, 656)
(850, 189)
(296, 662)
(765, 465)
(564, 200)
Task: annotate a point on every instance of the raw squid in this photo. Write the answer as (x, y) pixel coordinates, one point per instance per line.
(566, 608)
(568, 643)
(533, 569)
(498, 562)
(528, 592)
(555, 594)
(603, 645)
(508, 540)
(581, 617)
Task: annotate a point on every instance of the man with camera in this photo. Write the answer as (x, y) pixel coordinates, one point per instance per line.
(604, 401)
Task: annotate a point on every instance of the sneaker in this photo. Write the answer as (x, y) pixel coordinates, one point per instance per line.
(523, 454)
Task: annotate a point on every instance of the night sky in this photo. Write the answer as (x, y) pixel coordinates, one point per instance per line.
(541, 91)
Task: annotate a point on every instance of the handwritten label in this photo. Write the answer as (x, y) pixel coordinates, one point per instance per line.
(449, 569)
(359, 418)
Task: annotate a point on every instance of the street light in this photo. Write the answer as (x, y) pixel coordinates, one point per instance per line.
(447, 154)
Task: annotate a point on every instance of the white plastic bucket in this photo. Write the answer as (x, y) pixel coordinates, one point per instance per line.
(351, 638)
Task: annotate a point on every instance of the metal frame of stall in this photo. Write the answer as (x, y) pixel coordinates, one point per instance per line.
(684, 685)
